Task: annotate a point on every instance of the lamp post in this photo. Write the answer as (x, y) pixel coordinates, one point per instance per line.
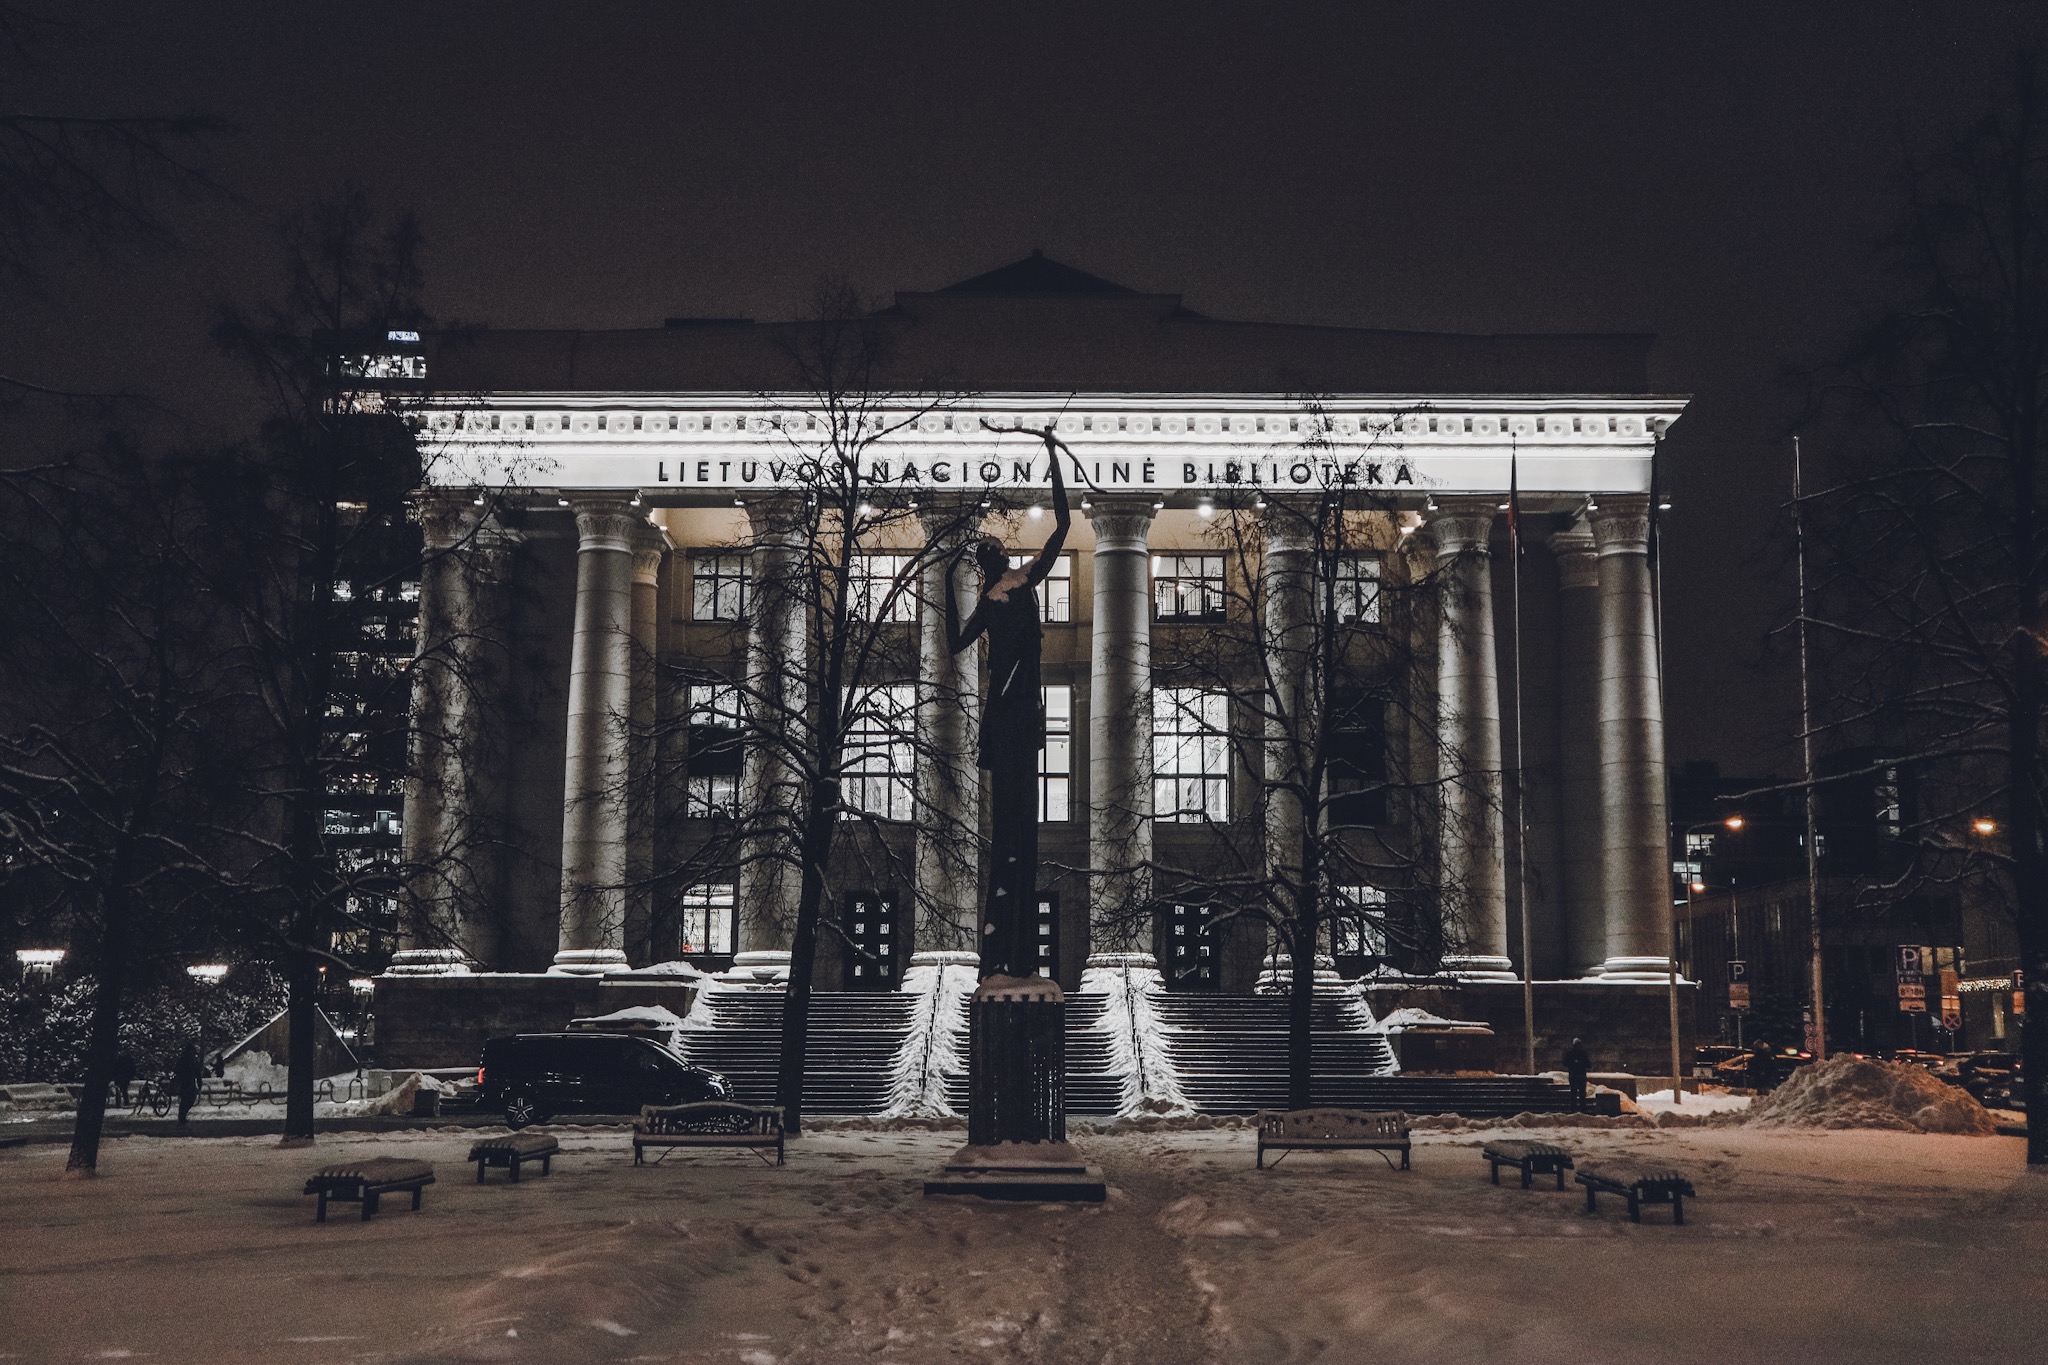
(1731, 823)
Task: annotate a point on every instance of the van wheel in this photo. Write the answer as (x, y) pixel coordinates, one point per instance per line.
(520, 1110)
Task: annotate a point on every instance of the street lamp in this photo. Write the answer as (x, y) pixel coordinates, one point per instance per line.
(1983, 827)
(1693, 885)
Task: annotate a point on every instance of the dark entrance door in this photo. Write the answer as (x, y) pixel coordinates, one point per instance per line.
(871, 961)
(1048, 930)
(1187, 947)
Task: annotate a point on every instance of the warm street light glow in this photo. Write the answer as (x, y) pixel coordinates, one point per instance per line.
(1733, 822)
(1984, 827)
(1699, 887)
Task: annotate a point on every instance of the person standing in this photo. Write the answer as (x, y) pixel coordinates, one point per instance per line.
(1578, 1065)
(123, 1076)
(185, 1076)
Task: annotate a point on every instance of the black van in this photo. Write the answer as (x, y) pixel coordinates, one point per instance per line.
(534, 1076)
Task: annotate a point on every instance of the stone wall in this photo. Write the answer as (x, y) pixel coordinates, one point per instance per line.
(432, 1021)
(1625, 1027)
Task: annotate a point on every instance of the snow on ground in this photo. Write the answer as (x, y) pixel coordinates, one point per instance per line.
(1816, 1246)
(1703, 1102)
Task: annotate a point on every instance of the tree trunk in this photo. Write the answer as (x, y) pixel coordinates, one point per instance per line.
(302, 1018)
(1301, 1016)
(104, 1040)
(803, 955)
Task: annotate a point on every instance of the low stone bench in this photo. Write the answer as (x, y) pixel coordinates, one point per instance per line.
(366, 1181)
(1531, 1158)
(1639, 1185)
(512, 1149)
(709, 1123)
(1332, 1130)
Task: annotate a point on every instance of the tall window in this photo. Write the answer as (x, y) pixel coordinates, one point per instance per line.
(716, 724)
(718, 587)
(1056, 593)
(1357, 589)
(1187, 587)
(872, 581)
(877, 774)
(1358, 922)
(1190, 756)
(1357, 769)
(1055, 761)
(707, 919)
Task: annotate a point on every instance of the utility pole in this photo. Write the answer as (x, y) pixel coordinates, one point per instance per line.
(1817, 1034)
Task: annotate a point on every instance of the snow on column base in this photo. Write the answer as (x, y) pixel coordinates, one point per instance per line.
(429, 962)
(1118, 962)
(1478, 968)
(759, 966)
(1278, 976)
(588, 962)
(1636, 971)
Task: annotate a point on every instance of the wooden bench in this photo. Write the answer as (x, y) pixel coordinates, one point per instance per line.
(512, 1149)
(1532, 1158)
(366, 1181)
(709, 1123)
(1639, 1185)
(1332, 1130)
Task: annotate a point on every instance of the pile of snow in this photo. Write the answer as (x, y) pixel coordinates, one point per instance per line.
(1401, 1020)
(1861, 1092)
(631, 1019)
(675, 968)
(256, 1073)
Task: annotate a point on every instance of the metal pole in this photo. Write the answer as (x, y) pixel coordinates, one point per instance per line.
(1818, 1036)
(1671, 914)
(1521, 772)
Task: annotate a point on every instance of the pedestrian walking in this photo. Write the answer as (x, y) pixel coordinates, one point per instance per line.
(1763, 1068)
(1577, 1065)
(186, 1077)
(123, 1076)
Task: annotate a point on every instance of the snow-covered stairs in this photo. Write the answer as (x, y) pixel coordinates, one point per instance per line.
(849, 1061)
(1229, 1052)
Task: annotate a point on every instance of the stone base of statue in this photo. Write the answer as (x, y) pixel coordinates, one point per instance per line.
(1017, 1146)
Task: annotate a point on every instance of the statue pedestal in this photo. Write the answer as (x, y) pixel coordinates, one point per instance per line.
(1017, 1146)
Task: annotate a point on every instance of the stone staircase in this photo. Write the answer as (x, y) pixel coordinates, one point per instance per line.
(1094, 1084)
(849, 1062)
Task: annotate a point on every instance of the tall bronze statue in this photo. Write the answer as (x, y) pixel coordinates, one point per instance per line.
(1012, 732)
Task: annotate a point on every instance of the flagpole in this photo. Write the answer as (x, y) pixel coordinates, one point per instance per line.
(1521, 773)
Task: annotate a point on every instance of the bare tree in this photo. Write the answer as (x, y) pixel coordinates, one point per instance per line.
(119, 757)
(1933, 550)
(1307, 676)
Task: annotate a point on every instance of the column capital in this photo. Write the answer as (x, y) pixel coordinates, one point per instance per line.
(1621, 524)
(1287, 525)
(1121, 523)
(950, 518)
(606, 523)
(650, 546)
(446, 517)
(1577, 564)
(1462, 525)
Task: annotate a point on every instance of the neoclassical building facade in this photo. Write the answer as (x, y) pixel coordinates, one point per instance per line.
(602, 513)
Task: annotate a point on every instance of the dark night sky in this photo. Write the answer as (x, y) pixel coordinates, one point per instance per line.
(1718, 174)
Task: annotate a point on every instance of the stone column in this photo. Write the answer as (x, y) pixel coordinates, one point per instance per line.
(650, 548)
(949, 829)
(1634, 828)
(1120, 730)
(1578, 745)
(456, 769)
(671, 761)
(1474, 837)
(1288, 635)
(592, 934)
(777, 646)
